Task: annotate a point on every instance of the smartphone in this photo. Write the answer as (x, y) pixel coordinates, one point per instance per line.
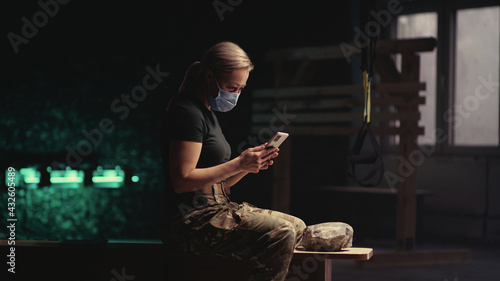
(276, 140)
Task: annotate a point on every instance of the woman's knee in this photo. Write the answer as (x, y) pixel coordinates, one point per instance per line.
(300, 225)
(286, 233)
(297, 223)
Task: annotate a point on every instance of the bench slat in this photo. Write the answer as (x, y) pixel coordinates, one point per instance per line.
(323, 104)
(337, 130)
(354, 253)
(301, 118)
(302, 92)
(335, 52)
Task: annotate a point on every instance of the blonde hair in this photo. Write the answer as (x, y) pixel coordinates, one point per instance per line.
(223, 57)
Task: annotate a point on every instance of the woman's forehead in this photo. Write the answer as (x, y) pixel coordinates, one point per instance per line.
(238, 77)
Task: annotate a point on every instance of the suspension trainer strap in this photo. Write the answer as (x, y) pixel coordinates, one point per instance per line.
(374, 158)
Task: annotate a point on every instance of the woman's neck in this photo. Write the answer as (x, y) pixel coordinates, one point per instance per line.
(202, 97)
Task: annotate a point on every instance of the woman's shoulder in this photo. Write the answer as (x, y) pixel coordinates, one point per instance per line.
(185, 102)
(187, 105)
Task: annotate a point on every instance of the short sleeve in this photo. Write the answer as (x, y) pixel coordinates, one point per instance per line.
(187, 124)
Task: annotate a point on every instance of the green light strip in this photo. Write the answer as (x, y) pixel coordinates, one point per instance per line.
(98, 179)
(66, 179)
(32, 180)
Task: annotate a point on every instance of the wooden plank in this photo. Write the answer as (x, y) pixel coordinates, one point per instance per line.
(407, 200)
(353, 253)
(324, 103)
(311, 268)
(402, 46)
(301, 92)
(281, 184)
(315, 266)
(399, 88)
(335, 52)
(329, 117)
(282, 178)
(339, 130)
(386, 68)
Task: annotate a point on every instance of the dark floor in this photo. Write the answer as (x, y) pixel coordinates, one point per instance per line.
(484, 266)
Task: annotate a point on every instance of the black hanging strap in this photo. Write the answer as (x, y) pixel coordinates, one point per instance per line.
(374, 158)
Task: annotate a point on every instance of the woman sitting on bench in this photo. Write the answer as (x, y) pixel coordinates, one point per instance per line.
(199, 216)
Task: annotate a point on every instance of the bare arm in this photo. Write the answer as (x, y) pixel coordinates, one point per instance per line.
(236, 178)
(186, 177)
(233, 180)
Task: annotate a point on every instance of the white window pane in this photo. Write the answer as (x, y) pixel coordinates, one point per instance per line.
(423, 25)
(476, 106)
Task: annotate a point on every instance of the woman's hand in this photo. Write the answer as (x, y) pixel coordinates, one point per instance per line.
(257, 158)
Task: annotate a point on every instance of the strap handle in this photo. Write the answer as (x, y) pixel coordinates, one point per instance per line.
(374, 158)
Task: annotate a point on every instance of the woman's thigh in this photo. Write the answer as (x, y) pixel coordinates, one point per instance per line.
(297, 223)
(231, 230)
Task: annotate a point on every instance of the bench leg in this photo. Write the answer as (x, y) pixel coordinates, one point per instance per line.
(310, 269)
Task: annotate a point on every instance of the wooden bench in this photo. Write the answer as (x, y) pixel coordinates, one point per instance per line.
(151, 260)
(305, 265)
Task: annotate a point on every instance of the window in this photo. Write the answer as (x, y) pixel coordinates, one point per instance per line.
(468, 62)
(476, 60)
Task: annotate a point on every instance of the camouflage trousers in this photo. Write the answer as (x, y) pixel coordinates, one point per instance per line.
(264, 238)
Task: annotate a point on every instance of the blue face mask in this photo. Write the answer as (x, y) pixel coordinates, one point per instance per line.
(224, 102)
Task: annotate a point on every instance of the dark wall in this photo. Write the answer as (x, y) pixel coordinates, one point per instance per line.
(69, 73)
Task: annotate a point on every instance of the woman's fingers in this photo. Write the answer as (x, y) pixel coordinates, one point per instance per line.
(266, 165)
(271, 153)
(261, 147)
(258, 158)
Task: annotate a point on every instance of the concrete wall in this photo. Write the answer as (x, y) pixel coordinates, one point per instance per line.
(466, 199)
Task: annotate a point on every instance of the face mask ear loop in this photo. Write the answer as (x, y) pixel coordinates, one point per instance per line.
(208, 87)
(217, 83)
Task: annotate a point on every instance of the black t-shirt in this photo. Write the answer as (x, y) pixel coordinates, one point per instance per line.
(187, 119)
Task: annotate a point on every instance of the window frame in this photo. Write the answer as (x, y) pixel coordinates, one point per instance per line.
(445, 81)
